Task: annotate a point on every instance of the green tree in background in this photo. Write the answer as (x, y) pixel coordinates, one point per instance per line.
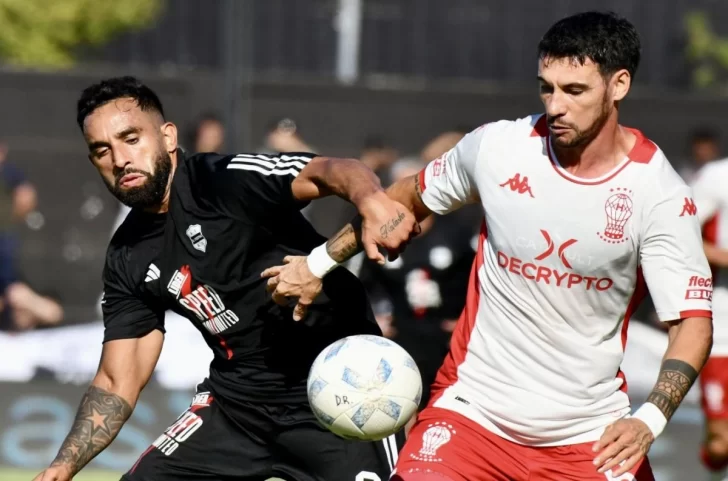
(706, 50)
(47, 33)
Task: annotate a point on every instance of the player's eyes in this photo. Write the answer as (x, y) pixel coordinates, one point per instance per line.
(132, 140)
(546, 89)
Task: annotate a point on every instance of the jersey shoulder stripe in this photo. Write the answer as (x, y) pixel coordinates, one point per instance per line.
(284, 164)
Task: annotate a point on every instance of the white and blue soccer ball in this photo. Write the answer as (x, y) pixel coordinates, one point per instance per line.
(364, 387)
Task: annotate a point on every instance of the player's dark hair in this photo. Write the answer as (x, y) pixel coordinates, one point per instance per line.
(605, 38)
(110, 89)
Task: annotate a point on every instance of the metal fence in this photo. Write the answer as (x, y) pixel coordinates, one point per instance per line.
(436, 39)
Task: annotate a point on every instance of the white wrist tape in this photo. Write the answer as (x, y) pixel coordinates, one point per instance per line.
(320, 262)
(651, 415)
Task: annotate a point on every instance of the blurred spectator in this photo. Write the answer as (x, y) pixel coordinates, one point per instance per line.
(20, 307)
(442, 143)
(330, 214)
(23, 309)
(704, 148)
(17, 199)
(426, 286)
(208, 134)
(283, 135)
(467, 215)
(379, 156)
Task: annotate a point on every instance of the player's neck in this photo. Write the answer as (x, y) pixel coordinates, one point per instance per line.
(599, 156)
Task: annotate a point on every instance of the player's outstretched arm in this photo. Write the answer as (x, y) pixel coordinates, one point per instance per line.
(385, 221)
(300, 277)
(347, 178)
(125, 368)
(628, 440)
(353, 238)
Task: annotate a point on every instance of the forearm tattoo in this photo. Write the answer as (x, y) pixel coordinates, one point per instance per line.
(676, 378)
(99, 419)
(345, 243)
(418, 186)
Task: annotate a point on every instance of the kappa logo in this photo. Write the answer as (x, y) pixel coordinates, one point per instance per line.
(551, 246)
(194, 232)
(518, 184)
(689, 207)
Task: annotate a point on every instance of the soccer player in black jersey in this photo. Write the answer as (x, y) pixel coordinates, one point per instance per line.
(201, 230)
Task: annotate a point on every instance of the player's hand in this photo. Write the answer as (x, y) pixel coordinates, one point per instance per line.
(623, 445)
(385, 223)
(55, 473)
(294, 279)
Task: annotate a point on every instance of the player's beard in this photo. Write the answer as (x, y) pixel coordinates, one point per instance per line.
(151, 193)
(583, 137)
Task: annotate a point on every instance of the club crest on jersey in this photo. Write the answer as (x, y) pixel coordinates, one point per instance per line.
(194, 232)
(435, 436)
(618, 209)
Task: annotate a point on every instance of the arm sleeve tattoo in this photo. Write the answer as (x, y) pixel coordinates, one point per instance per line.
(675, 379)
(347, 242)
(99, 419)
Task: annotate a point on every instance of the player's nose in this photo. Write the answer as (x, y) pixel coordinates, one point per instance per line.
(120, 159)
(555, 105)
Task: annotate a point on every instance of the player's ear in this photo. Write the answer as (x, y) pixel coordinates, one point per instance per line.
(169, 134)
(621, 82)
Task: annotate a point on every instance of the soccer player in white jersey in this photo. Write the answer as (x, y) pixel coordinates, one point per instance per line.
(581, 216)
(711, 204)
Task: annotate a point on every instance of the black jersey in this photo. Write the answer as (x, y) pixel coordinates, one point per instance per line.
(230, 218)
(427, 284)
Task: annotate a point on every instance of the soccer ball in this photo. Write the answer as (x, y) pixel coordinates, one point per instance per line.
(364, 387)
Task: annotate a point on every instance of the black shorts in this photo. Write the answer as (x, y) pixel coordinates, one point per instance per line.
(205, 444)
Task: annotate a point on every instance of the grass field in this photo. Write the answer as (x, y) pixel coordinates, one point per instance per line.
(25, 475)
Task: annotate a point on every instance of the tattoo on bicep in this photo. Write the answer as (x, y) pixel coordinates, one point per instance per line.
(99, 419)
(676, 378)
(344, 244)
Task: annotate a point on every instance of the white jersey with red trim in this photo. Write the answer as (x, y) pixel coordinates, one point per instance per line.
(561, 268)
(711, 202)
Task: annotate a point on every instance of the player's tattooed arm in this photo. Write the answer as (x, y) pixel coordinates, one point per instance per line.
(99, 419)
(125, 368)
(689, 344)
(348, 241)
(675, 379)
